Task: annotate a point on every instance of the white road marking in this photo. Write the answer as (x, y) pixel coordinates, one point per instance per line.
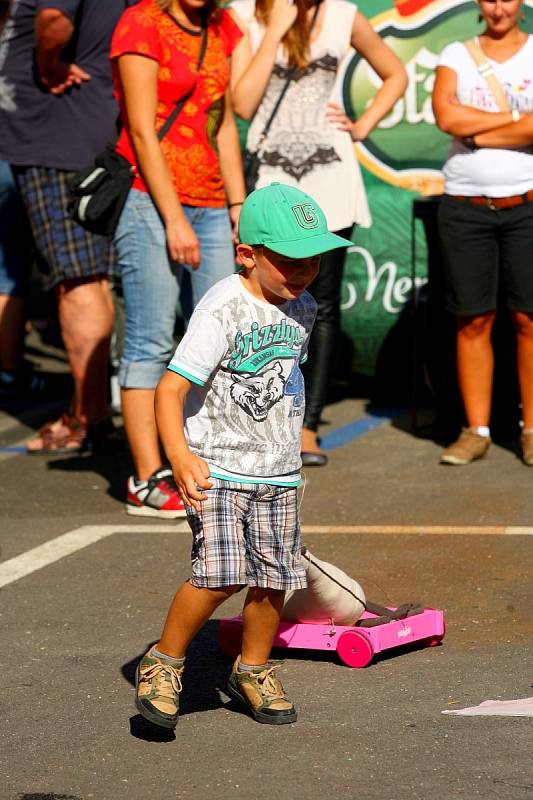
(469, 530)
(69, 543)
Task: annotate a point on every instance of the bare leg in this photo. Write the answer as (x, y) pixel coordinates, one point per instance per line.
(524, 336)
(139, 422)
(261, 616)
(11, 331)
(86, 318)
(190, 609)
(310, 441)
(475, 366)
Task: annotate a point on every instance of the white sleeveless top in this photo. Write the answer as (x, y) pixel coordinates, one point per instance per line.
(302, 148)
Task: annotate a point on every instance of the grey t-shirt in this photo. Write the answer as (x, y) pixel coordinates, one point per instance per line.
(244, 411)
(36, 127)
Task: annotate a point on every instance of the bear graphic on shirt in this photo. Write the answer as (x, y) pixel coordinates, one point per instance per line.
(257, 394)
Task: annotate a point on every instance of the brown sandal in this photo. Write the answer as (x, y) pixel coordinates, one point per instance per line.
(63, 436)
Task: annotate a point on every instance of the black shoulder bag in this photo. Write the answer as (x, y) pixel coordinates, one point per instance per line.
(251, 161)
(98, 193)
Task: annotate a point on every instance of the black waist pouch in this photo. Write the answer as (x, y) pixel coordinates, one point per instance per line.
(98, 193)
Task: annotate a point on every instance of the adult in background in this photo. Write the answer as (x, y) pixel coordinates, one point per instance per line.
(486, 214)
(310, 141)
(175, 229)
(57, 112)
(16, 375)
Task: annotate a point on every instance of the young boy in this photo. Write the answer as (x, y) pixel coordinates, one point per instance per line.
(229, 411)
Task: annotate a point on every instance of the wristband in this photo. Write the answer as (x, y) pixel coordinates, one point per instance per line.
(469, 141)
(515, 114)
(233, 205)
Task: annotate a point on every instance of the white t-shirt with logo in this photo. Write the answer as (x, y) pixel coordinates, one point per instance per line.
(244, 411)
(491, 172)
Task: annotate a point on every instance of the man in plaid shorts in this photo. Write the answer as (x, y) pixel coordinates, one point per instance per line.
(57, 112)
(229, 411)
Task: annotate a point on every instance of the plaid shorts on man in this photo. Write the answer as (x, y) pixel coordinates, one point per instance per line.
(247, 534)
(66, 251)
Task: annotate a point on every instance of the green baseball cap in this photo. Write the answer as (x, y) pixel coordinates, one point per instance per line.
(287, 221)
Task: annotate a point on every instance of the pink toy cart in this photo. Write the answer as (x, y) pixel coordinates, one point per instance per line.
(355, 645)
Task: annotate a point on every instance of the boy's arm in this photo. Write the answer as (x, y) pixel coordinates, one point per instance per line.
(190, 471)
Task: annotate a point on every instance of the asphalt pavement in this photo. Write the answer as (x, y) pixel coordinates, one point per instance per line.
(85, 590)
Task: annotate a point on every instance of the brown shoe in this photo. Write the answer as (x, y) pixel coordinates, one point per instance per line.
(158, 687)
(468, 447)
(526, 440)
(262, 694)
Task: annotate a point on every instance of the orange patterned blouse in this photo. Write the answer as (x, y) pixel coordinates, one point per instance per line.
(190, 146)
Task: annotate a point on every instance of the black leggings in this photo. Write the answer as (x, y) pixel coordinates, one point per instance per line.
(326, 289)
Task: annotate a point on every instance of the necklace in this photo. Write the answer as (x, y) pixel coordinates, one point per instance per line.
(185, 28)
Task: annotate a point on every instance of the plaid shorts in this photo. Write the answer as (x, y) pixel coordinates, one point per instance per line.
(247, 534)
(65, 250)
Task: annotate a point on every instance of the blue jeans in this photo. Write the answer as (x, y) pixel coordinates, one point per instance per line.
(15, 238)
(153, 285)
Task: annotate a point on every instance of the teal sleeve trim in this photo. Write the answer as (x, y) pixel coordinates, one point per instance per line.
(184, 374)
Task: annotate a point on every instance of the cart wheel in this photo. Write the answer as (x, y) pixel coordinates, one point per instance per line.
(230, 638)
(354, 649)
(433, 641)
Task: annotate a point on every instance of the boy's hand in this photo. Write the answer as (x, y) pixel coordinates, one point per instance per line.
(192, 475)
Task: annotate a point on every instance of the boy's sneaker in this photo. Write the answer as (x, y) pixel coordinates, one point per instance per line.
(156, 497)
(262, 694)
(468, 447)
(157, 691)
(526, 440)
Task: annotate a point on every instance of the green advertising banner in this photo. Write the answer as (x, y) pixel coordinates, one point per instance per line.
(400, 161)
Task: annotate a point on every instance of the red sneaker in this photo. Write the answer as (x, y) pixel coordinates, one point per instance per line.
(156, 497)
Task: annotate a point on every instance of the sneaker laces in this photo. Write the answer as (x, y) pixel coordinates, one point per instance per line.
(269, 683)
(165, 677)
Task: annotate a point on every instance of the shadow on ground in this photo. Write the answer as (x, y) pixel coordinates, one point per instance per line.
(114, 468)
(204, 683)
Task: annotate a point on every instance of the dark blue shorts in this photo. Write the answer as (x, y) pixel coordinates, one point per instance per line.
(66, 251)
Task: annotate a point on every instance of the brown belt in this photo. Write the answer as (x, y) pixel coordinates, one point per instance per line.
(496, 202)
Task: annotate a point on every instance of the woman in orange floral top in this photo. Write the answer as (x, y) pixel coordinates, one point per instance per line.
(174, 240)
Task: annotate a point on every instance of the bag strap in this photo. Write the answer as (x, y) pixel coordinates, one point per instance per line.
(169, 122)
(290, 75)
(486, 70)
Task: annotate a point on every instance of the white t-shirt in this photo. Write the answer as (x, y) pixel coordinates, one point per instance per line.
(244, 411)
(302, 148)
(491, 172)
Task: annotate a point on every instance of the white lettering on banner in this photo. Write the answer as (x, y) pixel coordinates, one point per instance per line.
(396, 290)
(415, 106)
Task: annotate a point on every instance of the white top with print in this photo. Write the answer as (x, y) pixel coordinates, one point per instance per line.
(490, 172)
(244, 411)
(302, 148)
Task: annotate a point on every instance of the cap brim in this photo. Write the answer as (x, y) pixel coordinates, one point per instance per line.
(307, 248)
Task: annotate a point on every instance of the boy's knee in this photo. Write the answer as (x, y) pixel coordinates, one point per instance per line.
(259, 593)
(223, 592)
